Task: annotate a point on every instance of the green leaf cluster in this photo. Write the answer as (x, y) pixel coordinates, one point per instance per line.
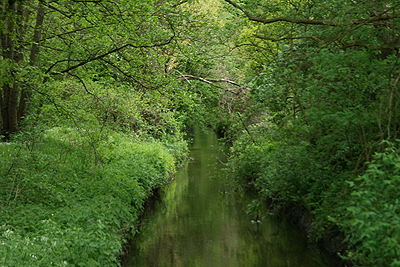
(371, 218)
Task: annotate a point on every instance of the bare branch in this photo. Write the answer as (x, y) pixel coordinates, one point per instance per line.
(223, 80)
(180, 3)
(288, 38)
(211, 82)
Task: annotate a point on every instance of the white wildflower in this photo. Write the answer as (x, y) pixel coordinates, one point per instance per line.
(8, 233)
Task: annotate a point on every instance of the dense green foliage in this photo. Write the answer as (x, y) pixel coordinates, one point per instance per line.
(76, 208)
(323, 118)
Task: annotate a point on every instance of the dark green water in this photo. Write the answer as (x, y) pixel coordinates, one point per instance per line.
(198, 222)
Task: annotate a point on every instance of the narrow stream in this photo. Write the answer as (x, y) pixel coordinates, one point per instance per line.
(198, 223)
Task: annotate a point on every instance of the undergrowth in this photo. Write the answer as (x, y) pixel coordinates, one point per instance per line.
(67, 201)
(360, 208)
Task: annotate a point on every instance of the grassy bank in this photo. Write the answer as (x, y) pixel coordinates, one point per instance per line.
(67, 201)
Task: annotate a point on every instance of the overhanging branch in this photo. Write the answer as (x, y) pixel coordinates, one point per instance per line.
(84, 62)
(383, 16)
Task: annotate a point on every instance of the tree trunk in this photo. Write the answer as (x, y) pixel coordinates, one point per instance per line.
(9, 94)
(26, 92)
(13, 101)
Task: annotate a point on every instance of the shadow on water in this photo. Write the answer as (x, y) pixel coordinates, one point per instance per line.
(198, 222)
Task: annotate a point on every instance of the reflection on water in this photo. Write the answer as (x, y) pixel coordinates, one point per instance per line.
(198, 223)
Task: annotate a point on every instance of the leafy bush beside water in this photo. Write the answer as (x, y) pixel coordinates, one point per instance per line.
(67, 202)
(371, 221)
(282, 170)
(363, 207)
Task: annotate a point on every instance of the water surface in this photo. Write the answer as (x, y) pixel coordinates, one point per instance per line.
(200, 221)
